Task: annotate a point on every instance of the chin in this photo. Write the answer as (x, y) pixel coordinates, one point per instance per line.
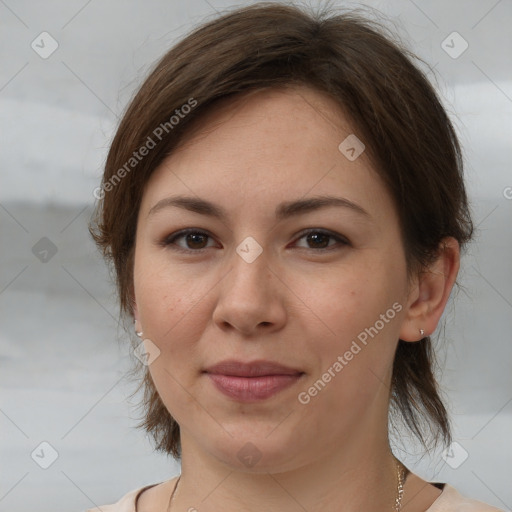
(256, 454)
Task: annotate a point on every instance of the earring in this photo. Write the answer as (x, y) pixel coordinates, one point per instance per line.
(422, 332)
(138, 333)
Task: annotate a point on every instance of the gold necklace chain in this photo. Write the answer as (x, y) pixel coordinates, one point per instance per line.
(401, 473)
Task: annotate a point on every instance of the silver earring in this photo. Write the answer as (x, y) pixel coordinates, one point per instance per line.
(138, 333)
(422, 332)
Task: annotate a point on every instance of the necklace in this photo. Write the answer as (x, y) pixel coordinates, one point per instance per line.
(401, 474)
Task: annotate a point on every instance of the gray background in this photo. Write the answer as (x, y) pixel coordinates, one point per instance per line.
(64, 356)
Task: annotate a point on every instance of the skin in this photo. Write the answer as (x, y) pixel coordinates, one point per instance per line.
(294, 304)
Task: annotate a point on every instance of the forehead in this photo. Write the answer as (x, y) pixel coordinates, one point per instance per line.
(299, 110)
(267, 147)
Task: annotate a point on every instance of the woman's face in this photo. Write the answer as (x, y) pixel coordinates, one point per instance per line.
(253, 286)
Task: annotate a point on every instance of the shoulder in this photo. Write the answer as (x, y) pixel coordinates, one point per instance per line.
(450, 500)
(129, 502)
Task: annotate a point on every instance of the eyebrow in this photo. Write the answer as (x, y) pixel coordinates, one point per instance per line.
(283, 211)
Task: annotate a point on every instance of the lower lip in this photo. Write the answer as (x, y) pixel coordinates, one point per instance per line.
(248, 389)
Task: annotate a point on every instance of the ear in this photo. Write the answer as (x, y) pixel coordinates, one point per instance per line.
(430, 292)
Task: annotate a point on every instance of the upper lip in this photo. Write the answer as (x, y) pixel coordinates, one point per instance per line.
(251, 369)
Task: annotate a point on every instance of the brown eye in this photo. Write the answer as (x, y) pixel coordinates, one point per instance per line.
(193, 240)
(320, 240)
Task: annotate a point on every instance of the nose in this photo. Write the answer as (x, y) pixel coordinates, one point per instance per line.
(251, 298)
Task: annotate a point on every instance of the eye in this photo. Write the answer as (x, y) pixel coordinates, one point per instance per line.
(320, 239)
(196, 240)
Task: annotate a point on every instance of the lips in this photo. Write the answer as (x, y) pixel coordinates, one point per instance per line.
(257, 380)
(251, 369)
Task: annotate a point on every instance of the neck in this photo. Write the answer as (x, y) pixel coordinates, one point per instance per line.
(353, 477)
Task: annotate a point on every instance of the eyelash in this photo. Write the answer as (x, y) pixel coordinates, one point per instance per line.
(169, 240)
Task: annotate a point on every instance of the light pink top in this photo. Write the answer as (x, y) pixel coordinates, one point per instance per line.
(450, 500)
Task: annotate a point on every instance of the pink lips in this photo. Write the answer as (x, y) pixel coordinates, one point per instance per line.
(257, 380)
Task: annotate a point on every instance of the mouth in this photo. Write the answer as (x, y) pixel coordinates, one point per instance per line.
(253, 381)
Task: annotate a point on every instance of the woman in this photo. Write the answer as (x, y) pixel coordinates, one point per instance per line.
(284, 206)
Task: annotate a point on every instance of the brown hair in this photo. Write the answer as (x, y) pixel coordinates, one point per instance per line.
(358, 64)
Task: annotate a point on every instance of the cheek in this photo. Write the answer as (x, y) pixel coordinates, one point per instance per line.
(174, 310)
(360, 321)
(163, 297)
(172, 316)
(350, 379)
(350, 301)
